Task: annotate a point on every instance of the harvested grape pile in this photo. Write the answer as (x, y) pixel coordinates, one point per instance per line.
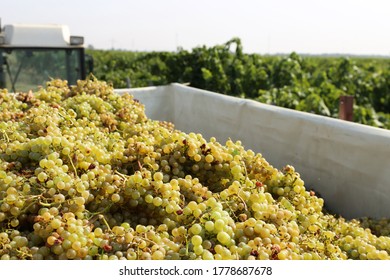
(84, 174)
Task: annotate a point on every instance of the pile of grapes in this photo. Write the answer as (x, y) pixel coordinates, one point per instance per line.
(84, 174)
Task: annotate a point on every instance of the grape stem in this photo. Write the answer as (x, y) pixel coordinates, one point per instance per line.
(230, 208)
(242, 200)
(45, 204)
(68, 119)
(5, 136)
(147, 240)
(74, 168)
(23, 254)
(35, 199)
(101, 217)
(96, 215)
(246, 171)
(123, 176)
(27, 207)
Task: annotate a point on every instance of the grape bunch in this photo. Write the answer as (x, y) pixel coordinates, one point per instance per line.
(85, 174)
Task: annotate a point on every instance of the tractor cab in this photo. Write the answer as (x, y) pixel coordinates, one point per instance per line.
(31, 55)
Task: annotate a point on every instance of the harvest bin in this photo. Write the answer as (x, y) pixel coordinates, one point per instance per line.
(347, 164)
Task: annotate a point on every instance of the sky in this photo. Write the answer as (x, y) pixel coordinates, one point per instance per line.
(360, 27)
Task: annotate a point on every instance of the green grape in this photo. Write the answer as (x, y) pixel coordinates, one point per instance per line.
(196, 229)
(209, 226)
(196, 240)
(219, 225)
(223, 237)
(84, 174)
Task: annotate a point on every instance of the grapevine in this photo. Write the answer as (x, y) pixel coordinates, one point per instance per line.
(311, 84)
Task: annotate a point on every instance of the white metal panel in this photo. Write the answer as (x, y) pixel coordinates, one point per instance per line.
(158, 101)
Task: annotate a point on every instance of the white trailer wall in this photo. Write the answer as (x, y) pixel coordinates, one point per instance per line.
(346, 163)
